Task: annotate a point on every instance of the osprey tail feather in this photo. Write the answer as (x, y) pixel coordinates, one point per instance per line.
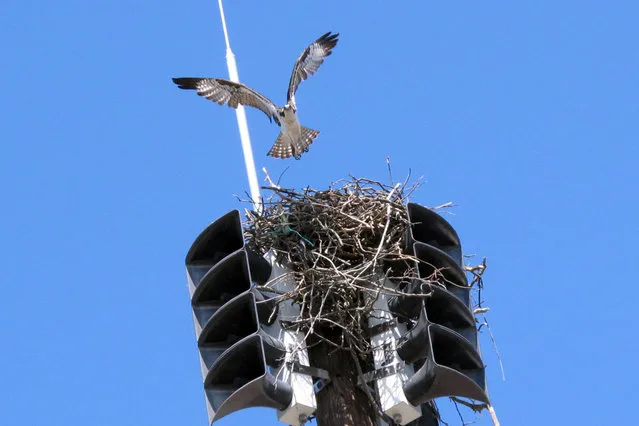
(284, 147)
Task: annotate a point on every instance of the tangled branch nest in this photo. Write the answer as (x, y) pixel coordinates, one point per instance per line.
(340, 243)
(337, 241)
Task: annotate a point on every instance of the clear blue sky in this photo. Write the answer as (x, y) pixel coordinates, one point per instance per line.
(525, 114)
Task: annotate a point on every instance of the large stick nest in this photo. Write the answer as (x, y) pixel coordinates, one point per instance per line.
(339, 243)
(344, 245)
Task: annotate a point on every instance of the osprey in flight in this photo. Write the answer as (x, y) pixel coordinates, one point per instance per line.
(294, 139)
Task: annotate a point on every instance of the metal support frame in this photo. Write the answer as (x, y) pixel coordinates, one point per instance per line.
(390, 371)
(303, 403)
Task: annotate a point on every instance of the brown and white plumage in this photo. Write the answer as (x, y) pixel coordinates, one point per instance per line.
(294, 139)
(228, 92)
(309, 62)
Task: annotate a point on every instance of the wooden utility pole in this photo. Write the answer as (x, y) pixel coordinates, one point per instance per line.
(341, 402)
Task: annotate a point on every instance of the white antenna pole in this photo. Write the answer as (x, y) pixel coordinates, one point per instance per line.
(241, 123)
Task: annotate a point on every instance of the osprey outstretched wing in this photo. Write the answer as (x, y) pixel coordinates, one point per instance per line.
(309, 62)
(225, 91)
(294, 139)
